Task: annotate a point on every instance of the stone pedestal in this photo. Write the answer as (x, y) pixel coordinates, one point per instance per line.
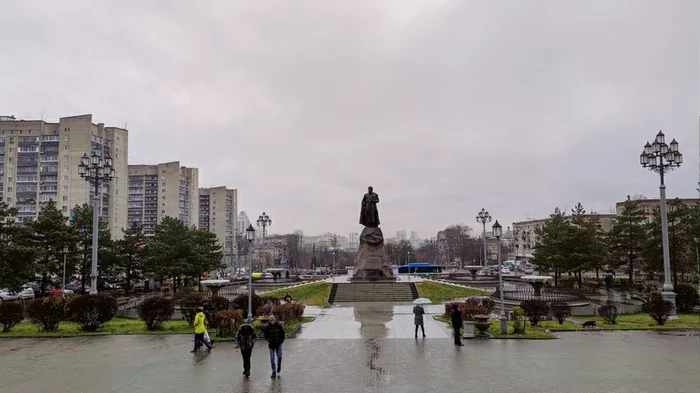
(372, 262)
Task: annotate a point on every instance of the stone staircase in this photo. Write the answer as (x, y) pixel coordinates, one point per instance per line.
(373, 292)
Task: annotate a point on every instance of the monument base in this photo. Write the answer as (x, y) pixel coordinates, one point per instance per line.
(372, 262)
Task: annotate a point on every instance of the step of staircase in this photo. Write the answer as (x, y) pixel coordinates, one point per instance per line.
(372, 292)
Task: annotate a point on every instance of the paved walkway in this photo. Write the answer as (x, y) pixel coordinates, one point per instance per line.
(368, 356)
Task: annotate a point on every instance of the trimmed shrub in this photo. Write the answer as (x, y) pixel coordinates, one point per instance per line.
(11, 313)
(228, 321)
(154, 311)
(91, 312)
(518, 321)
(47, 312)
(561, 311)
(188, 306)
(265, 309)
(687, 297)
(535, 310)
(288, 311)
(658, 308)
(609, 313)
(240, 302)
(477, 305)
(448, 307)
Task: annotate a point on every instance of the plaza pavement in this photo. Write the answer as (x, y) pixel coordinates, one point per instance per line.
(359, 348)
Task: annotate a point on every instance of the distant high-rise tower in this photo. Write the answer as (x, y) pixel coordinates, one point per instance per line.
(218, 213)
(242, 223)
(401, 235)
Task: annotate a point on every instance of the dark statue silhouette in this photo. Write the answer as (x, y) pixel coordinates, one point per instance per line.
(369, 215)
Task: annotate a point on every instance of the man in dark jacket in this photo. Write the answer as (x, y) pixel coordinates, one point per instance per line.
(274, 334)
(245, 340)
(457, 324)
(418, 312)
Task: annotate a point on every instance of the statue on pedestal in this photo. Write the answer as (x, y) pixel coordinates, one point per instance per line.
(372, 262)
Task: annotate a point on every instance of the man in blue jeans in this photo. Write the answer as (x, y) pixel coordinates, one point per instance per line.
(274, 334)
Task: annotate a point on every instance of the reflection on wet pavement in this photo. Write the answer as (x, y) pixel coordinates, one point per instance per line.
(370, 320)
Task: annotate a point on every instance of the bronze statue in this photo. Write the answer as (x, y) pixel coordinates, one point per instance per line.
(369, 215)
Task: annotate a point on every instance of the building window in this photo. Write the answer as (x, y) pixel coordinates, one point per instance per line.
(12, 149)
(66, 147)
(9, 180)
(163, 190)
(65, 178)
(65, 157)
(65, 168)
(11, 170)
(163, 197)
(9, 199)
(162, 211)
(65, 188)
(163, 204)
(67, 138)
(65, 198)
(9, 189)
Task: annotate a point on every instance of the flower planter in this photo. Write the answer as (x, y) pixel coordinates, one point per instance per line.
(482, 323)
(468, 329)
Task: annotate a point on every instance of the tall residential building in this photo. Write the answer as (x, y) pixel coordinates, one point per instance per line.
(354, 238)
(218, 213)
(649, 205)
(526, 237)
(401, 235)
(163, 190)
(242, 223)
(39, 162)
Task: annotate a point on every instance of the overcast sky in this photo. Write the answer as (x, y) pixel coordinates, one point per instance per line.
(444, 107)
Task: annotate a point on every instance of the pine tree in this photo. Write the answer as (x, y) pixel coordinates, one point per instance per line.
(82, 224)
(627, 238)
(129, 254)
(15, 250)
(551, 251)
(50, 233)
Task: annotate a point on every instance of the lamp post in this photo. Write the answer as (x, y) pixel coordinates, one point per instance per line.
(96, 170)
(483, 217)
(497, 233)
(250, 236)
(660, 157)
(65, 256)
(264, 221)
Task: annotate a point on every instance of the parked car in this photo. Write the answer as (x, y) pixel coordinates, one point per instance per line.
(57, 291)
(528, 270)
(27, 293)
(7, 295)
(505, 271)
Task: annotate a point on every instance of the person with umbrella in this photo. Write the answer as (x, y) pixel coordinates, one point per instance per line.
(418, 313)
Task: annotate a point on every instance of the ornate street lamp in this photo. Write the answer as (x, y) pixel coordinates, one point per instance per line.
(483, 217)
(264, 221)
(661, 158)
(497, 233)
(96, 170)
(250, 236)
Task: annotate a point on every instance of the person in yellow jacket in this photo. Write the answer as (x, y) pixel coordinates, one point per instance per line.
(199, 329)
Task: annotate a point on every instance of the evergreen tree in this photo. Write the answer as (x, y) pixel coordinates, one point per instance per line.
(129, 254)
(50, 233)
(627, 238)
(586, 245)
(15, 250)
(681, 257)
(82, 223)
(551, 251)
(207, 254)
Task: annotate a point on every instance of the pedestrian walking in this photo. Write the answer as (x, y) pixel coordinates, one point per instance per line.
(208, 315)
(418, 312)
(274, 334)
(457, 324)
(245, 340)
(199, 329)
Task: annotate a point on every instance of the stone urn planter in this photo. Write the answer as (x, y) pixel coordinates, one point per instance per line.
(482, 323)
(468, 329)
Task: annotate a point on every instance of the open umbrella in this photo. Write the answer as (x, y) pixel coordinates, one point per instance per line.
(422, 300)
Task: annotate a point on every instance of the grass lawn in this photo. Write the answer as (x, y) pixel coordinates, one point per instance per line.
(124, 326)
(314, 294)
(439, 292)
(533, 333)
(643, 321)
(554, 326)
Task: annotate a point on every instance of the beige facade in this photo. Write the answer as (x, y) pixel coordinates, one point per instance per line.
(39, 162)
(649, 205)
(162, 190)
(526, 237)
(218, 212)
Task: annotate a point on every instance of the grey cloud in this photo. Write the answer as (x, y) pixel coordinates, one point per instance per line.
(445, 107)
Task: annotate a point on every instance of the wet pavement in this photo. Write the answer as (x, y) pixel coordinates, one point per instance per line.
(366, 348)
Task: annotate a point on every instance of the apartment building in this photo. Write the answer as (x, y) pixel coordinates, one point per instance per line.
(649, 205)
(526, 237)
(162, 190)
(218, 213)
(242, 223)
(39, 162)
